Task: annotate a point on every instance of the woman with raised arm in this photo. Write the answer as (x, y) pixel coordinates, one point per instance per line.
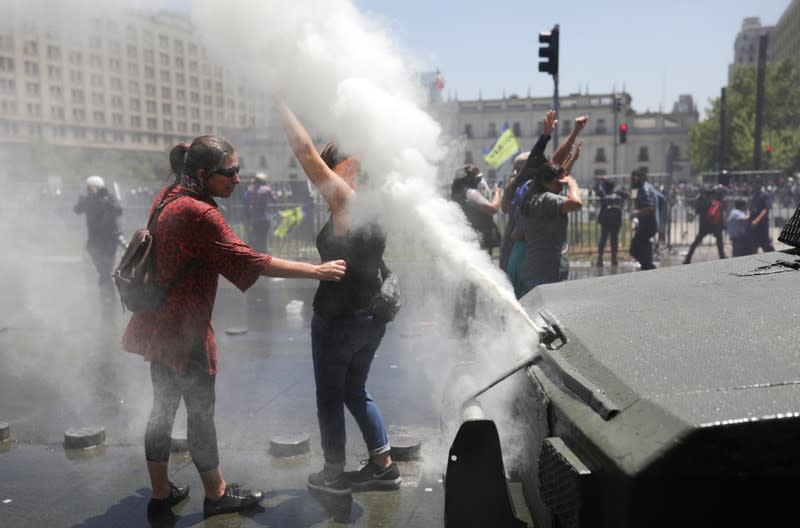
(344, 334)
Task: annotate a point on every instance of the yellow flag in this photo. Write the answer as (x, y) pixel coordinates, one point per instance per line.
(505, 147)
(290, 218)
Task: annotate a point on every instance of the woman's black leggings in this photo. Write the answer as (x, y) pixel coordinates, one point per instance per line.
(196, 387)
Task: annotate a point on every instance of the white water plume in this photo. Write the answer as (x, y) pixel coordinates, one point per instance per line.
(344, 77)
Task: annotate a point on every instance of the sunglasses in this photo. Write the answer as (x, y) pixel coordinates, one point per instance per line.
(230, 172)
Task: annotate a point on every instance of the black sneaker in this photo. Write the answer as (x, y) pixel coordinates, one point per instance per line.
(234, 499)
(372, 477)
(322, 481)
(157, 507)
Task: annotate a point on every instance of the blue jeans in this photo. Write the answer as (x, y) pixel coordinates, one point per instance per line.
(342, 350)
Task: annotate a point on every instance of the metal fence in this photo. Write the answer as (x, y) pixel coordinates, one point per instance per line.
(49, 216)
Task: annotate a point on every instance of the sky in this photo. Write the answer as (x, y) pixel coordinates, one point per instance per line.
(656, 50)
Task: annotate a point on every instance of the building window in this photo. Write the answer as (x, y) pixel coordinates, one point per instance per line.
(468, 131)
(262, 162)
(468, 157)
(166, 109)
(492, 132)
(166, 92)
(600, 127)
(516, 129)
(644, 155)
(600, 172)
(31, 68)
(151, 107)
(600, 155)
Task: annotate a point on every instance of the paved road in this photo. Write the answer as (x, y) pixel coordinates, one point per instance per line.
(63, 369)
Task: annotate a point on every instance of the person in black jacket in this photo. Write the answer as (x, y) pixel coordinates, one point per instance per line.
(478, 209)
(612, 204)
(102, 212)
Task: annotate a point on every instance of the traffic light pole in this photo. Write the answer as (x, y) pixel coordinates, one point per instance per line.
(555, 107)
(615, 131)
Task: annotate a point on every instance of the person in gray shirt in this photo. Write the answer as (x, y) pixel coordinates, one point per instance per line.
(543, 218)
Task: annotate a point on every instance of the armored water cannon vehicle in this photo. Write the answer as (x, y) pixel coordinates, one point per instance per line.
(671, 398)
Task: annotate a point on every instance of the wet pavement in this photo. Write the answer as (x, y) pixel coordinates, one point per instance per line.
(69, 373)
(63, 369)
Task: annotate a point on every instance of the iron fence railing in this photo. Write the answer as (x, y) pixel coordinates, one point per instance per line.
(55, 228)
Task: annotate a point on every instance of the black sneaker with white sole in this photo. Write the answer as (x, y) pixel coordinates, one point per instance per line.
(324, 482)
(374, 477)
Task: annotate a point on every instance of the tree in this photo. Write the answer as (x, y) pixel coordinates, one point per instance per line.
(781, 128)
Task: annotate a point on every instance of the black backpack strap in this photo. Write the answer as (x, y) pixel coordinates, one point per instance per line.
(165, 201)
(151, 224)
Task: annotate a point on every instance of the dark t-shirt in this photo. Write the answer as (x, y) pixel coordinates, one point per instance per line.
(362, 249)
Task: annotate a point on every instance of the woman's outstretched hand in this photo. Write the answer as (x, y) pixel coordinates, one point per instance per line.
(333, 270)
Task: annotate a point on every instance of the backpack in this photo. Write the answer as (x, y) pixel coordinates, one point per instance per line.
(135, 275)
(714, 212)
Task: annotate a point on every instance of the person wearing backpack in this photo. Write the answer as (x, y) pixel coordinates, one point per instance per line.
(709, 210)
(192, 240)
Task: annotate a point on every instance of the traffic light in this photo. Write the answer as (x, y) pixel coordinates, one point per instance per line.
(549, 51)
(618, 104)
(623, 132)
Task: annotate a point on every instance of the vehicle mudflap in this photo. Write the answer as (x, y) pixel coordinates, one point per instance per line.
(476, 491)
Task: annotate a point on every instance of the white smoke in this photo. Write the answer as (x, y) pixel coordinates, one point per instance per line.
(347, 80)
(342, 74)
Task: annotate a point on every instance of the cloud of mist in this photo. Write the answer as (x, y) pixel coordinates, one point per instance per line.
(347, 80)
